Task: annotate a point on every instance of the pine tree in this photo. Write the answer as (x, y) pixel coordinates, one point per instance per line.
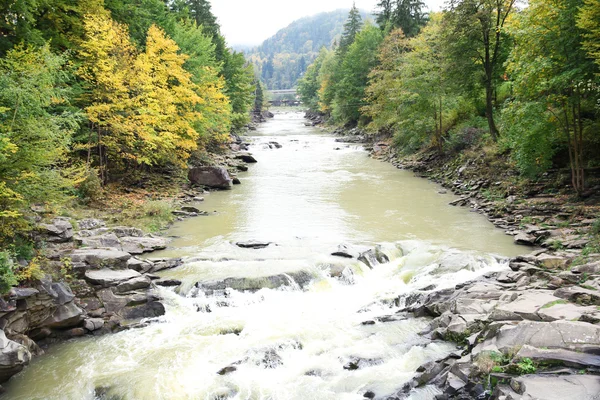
(351, 28)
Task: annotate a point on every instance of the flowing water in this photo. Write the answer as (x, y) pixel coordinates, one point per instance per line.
(334, 337)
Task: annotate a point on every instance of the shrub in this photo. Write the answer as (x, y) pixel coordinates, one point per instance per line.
(7, 274)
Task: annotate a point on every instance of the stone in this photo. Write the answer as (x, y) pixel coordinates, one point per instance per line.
(168, 282)
(579, 295)
(551, 261)
(552, 356)
(109, 277)
(592, 268)
(138, 265)
(22, 293)
(570, 335)
(66, 316)
(300, 279)
(101, 258)
(253, 244)
(247, 158)
(93, 324)
(525, 239)
(525, 306)
(568, 311)
(13, 357)
(140, 245)
(373, 257)
(127, 231)
(151, 309)
(191, 209)
(556, 387)
(59, 230)
(140, 282)
(510, 276)
(106, 240)
(160, 264)
(63, 292)
(90, 223)
(215, 177)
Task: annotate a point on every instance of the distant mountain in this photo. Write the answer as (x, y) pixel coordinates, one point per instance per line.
(282, 59)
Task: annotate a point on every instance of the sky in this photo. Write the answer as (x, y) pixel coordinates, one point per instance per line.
(250, 22)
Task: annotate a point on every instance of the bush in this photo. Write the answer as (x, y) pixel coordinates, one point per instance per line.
(7, 274)
(91, 187)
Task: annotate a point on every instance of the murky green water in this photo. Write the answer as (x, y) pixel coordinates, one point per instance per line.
(288, 343)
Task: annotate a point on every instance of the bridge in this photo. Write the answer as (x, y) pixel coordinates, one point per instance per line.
(283, 97)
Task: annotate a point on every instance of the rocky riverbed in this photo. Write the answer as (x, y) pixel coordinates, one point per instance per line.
(532, 331)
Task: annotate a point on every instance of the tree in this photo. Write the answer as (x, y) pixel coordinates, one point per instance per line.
(238, 87)
(588, 20)
(308, 86)
(354, 70)
(36, 127)
(554, 81)
(351, 28)
(407, 15)
(476, 32)
(259, 97)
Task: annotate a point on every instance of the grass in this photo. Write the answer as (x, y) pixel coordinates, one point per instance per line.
(553, 303)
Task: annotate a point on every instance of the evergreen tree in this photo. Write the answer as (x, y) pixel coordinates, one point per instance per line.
(407, 15)
(351, 29)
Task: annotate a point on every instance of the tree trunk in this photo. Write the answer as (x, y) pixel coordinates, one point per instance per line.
(489, 107)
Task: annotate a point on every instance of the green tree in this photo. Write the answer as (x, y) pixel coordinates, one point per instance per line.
(359, 60)
(238, 87)
(407, 15)
(351, 28)
(554, 85)
(36, 127)
(476, 34)
(588, 20)
(308, 86)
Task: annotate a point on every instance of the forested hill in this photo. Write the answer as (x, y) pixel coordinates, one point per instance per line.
(283, 58)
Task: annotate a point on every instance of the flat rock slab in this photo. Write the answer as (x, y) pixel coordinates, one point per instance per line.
(100, 258)
(580, 387)
(578, 336)
(139, 245)
(579, 295)
(65, 316)
(566, 311)
(525, 306)
(298, 279)
(109, 277)
(567, 357)
(525, 239)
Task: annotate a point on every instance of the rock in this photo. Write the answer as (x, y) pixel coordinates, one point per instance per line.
(160, 264)
(22, 293)
(227, 370)
(276, 145)
(215, 177)
(13, 357)
(191, 209)
(525, 306)
(589, 268)
(138, 265)
(568, 311)
(236, 181)
(106, 240)
(551, 261)
(346, 251)
(127, 231)
(373, 257)
(93, 324)
(579, 295)
(525, 239)
(359, 363)
(90, 223)
(140, 282)
(577, 336)
(168, 282)
(299, 279)
(63, 292)
(247, 158)
(552, 356)
(151, 309)
(65, 316)
(109, 277)
(100, 258)
(253, 244)
(556, 387)
(59, 230)
(139, 245)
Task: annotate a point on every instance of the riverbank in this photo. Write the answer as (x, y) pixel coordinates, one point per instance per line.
(533, 330)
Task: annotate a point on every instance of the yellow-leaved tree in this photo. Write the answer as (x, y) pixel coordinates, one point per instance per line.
(165, 102)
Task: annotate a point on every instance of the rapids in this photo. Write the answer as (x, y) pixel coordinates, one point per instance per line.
(327, 327)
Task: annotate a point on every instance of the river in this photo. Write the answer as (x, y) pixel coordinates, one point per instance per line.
(338, 336)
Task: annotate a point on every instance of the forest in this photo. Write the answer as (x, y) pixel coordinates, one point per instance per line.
(98, 91)
(521, 81)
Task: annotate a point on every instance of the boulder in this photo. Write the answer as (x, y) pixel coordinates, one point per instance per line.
(373, 257)
(100, 258)
(525, 239)
(106, 240)
(247, 158)
(140, 282)
(59, 230)
(168, 282)
(160, 264)
(215, 177)
(109, 277)
(93, 324)
(525, 306)
(566, 311)
(66, 316)
(127, 231)
(90, 223)
(551, 261)
(13, 357)
(138, 265)
(579, 295)
(139, 245)
(294, 279)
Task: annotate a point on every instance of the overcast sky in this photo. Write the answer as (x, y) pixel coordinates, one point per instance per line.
(250, 22)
